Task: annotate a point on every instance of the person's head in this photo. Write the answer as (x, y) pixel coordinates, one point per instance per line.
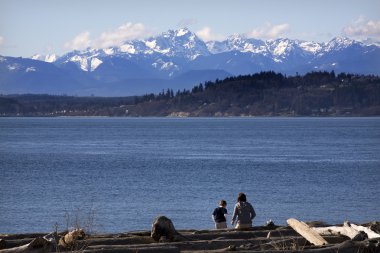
(241, 197)
(223, 203)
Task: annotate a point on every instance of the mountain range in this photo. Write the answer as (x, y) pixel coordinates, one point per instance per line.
(178, 59)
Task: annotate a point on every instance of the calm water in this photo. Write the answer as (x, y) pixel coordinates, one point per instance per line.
(123, 172)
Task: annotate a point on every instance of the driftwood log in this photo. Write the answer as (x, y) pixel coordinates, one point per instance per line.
(349, 247)
(135, 249)
(374, 226)
(309, 234)
(350, 230)
(371, 234)
(3, 244)
(38, 245)
(281, 240)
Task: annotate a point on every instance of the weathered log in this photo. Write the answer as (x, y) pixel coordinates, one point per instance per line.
(350, 230)
(120, 241)
(349, 247)
(371, 234)
(38, 245)
(3, 244)
(21, 236)
(282, 244)
(235, 234)
(221, 243)
(192, 245)
(374, 226)
(22, 239)
(130, 238)
(18, 242)
(188, 245)
(336, 230)
(303, 229)
(156, 249)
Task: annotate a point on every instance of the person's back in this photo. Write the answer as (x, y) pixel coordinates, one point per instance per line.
(243, 213)
(219, 215)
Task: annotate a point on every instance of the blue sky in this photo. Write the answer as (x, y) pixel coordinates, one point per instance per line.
(57, 26)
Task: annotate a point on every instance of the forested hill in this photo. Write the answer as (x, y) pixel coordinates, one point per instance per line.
(270, 94)
(261, 94)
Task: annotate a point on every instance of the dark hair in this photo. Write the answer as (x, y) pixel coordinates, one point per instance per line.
(222, 202)
(241, 197)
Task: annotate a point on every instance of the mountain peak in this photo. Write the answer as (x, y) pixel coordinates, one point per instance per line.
(182, 31)
(178, 50)
(341, 39)
(177, 33)
(46, 58)
(338, 43)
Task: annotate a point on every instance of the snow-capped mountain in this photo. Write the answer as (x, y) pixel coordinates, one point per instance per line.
(172, 52)
(45, 58)
(159, 62)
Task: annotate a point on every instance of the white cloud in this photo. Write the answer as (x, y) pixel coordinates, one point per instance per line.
(116, 37)
(363, 28)
(80, 42)
(269, 31)
(128, 31)
(206, 35)
(1, 41)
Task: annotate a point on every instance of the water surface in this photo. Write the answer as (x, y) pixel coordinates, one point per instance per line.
(126, 171)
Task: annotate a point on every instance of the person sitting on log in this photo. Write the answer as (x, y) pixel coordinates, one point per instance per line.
(243, 213)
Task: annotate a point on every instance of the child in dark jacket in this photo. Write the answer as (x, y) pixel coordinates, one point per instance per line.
(220, 214)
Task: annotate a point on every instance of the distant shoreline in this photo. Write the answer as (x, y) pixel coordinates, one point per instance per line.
(267, 94)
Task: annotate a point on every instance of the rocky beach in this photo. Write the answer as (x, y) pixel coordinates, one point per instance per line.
(295, 237)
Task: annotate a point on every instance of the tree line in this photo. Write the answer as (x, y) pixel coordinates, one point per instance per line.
(266, 93)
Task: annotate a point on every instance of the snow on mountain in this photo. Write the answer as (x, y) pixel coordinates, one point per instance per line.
(51, 58)
(30, 69)
(338, 43)
(170, 52)
(95, 62)
(82, 61)
(45, 58)
(13, 67)
(25, 75)
(163, 52)
(310, 46)
(180, 43)
(176, 52)
(109, 51)
(37, 57)
(280, 47)
(182, 32)
(237, 43)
